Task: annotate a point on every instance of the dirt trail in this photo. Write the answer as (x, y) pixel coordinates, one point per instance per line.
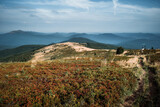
(131, 99)
(37, 57)
(151, 100)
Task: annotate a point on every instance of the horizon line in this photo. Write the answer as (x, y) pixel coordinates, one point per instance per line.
(71, 32)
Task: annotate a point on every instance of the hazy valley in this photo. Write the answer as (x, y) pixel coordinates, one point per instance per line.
(127, 40)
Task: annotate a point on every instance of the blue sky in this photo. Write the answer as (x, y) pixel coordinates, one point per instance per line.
(80, 15)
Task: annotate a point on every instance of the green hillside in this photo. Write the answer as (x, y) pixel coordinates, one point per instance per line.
(91, 44)
(100, 46)
(22, 53)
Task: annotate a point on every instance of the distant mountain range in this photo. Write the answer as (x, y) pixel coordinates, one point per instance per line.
(127, 40)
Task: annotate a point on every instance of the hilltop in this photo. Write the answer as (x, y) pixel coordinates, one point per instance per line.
(80, 40)
(59, 50)
(91, 44)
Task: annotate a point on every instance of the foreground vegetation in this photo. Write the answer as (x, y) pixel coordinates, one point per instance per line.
(74, 79)
(69, 83)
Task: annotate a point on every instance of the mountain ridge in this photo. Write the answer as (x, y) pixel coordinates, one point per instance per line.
(91, 43)
(19, 37)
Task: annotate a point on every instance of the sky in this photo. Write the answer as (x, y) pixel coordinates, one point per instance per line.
(113, 16)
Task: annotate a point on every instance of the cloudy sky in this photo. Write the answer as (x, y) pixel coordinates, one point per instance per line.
(80, 15)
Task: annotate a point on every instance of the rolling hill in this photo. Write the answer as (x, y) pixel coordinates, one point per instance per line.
(91, 44)
(22, 53)
(80, 40)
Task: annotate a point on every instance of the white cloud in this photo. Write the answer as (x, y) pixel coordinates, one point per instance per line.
(85, 10)
(132, 9)
(44, 13)
(115, 3)
(84, 4)
(81, 12)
